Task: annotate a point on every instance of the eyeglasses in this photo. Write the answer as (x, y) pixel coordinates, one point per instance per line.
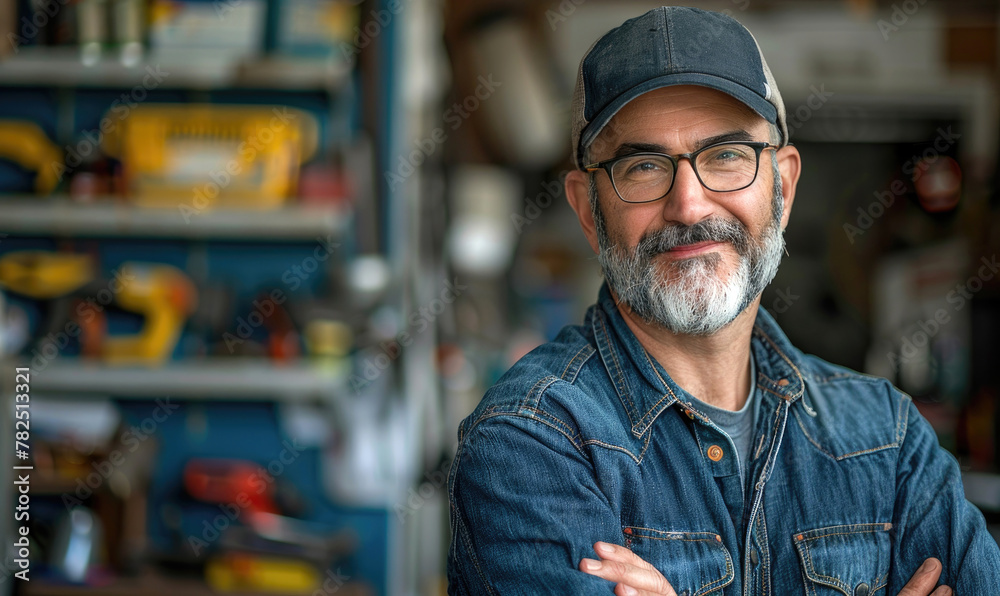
(646, 177)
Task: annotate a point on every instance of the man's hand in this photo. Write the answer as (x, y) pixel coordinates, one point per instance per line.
(924, 580)
(634, 576)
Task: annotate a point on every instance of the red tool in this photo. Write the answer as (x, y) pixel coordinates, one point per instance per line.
(231, 481)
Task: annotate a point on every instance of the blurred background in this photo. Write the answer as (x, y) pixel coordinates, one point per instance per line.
(260, 258)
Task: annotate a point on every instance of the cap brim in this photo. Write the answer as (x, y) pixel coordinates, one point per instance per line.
(747, 96)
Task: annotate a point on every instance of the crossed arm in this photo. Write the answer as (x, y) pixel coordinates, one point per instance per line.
(528, 516)
(635, 577)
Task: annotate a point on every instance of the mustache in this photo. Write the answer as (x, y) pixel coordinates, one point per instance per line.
(709, 230)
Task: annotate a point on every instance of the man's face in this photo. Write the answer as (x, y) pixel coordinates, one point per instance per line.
(694, 260)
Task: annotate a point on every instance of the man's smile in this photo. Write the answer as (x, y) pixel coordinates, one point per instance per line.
(690, 250)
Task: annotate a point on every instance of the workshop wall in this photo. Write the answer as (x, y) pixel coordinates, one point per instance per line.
(261, 257)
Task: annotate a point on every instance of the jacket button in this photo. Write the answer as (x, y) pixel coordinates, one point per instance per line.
(783, 382)
(754, 559)
(861, 590)
(715, 453)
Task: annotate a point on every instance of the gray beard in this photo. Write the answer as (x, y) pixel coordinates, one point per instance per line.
(691, 297)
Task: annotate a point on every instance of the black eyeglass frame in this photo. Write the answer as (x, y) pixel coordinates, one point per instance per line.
(607, 164)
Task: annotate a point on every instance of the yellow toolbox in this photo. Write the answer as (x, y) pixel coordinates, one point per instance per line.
(208, 155)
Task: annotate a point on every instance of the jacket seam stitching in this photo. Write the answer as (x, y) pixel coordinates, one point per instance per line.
(892, 445)
(534, 394)
(472, 557)
(644, 424)
(599, 443)
(810, 439)
(576, 369)
(461, 530)
(854, 377)
(780, 353)
(612, 446)
(798, 420)
(848, 533)
(729, 571)
(903, 420)
(765, 577)
(620, 385)
(811, 572)
(670, 393)
(678, 539)
(572, 439)
(556, 422)
(773, 392)
(655, 372)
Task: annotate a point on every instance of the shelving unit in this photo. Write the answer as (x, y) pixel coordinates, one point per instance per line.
(331, 86)
(210, 378)
(159, 587)
(111, 218)
(47, 66)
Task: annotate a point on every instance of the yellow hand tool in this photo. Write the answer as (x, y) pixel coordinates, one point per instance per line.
(25, 144)
(231, 572)
(165, 296)
(45, 275)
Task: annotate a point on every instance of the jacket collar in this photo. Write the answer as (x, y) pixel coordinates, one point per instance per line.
(644, 387)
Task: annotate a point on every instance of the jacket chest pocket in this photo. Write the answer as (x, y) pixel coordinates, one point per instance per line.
(851, 560)
(695, 563)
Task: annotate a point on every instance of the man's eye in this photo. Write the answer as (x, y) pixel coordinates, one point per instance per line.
(728, 154)
(643, 168)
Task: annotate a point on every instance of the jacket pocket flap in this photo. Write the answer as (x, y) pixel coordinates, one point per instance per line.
(695, 563)
(843, 557)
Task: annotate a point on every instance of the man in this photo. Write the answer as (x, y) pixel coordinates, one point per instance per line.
(676, 443)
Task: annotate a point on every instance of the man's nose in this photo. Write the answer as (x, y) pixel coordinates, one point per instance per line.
(687, 202)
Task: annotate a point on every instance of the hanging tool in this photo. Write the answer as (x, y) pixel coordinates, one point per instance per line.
(45, 275)
(27, 145)
(165, 296)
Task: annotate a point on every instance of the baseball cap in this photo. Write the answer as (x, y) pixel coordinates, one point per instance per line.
(671, 45)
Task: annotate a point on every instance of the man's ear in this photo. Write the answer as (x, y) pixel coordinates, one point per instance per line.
(790, 166)
(577, 185)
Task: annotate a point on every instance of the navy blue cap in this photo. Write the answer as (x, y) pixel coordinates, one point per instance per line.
(671, 45)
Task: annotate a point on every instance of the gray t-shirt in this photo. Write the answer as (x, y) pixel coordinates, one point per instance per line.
(738, 425)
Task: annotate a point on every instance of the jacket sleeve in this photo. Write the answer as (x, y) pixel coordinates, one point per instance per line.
(933, 518)
(525, 509)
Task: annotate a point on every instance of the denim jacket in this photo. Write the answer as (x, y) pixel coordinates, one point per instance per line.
(588, 439)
